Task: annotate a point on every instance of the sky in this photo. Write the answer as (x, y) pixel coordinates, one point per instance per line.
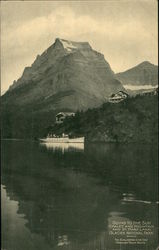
(125, 31)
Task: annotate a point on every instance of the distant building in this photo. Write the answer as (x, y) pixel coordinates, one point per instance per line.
(60, 117)
(118, 97)
(150, 92)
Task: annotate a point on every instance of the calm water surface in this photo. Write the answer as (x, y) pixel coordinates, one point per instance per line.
(69, 196)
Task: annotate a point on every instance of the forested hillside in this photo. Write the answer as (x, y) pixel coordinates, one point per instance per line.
(133, 120)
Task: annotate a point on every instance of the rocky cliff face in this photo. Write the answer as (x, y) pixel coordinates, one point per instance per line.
(67, 75)
(145, 73)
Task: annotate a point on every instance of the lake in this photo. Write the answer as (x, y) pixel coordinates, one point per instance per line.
(79, 197)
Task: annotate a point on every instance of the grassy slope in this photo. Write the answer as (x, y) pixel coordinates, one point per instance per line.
(135, 119)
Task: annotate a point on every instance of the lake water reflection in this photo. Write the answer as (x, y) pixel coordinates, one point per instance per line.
(69, 197)
(64, 147)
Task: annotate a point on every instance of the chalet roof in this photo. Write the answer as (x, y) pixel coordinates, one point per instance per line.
(119, 93)
(65, 113)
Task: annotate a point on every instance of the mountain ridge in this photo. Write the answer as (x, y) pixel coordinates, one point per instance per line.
(144, 73)
(60, 46)
(65, 66)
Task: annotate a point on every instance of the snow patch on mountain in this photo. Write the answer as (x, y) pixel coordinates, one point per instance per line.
(139, 87)
(68, 45)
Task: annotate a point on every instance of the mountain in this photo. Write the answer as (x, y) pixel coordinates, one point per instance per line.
(145, 73)
(68, 76)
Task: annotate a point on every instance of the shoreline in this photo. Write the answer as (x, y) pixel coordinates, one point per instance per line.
(89, 141)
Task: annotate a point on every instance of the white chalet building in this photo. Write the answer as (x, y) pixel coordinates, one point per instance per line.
(60, 117)
(118, 97)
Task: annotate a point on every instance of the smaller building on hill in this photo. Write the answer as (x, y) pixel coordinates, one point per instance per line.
(60, 117)
(153, 91)
(118, 97)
